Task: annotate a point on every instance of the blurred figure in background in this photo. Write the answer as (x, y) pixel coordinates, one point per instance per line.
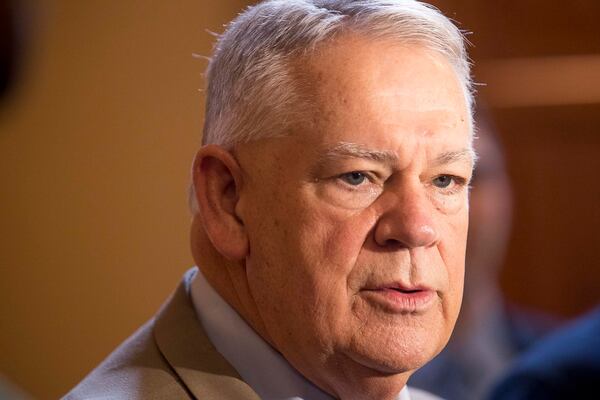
(6, 45)
(566, 365)
(489, 332)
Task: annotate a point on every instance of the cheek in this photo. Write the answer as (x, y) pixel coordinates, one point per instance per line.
(329, 244)
(311, 247)
(342, 238)
(299, 274)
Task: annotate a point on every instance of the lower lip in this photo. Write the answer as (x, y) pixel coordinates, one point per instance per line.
(401, 302)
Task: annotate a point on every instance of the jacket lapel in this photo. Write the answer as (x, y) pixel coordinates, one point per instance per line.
(184, 344)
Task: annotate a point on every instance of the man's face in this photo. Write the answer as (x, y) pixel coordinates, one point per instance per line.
(357, 221)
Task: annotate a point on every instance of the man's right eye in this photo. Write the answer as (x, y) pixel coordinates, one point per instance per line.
(353, 178)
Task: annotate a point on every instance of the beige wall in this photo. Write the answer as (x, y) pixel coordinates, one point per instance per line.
(95, 148)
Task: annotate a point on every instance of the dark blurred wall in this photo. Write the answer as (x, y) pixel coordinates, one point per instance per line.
(7, 45)
(540, 64)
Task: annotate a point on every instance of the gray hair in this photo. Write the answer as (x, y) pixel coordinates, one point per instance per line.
(252, 92)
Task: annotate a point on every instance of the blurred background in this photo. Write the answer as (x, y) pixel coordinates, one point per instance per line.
(101, 114)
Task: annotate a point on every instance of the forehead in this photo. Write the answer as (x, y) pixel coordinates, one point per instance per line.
(379, 90)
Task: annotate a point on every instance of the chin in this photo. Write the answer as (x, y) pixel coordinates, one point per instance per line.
(395, 362)
(401, 353)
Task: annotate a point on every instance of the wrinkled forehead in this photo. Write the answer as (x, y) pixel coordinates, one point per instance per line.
(363, 90)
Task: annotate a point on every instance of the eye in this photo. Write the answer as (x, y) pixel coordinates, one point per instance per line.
(353, 178)
(443, 181)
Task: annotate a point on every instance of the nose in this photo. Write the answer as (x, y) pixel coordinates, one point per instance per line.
(407, 219)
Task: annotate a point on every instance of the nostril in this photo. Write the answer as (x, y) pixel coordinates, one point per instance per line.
(395, 244)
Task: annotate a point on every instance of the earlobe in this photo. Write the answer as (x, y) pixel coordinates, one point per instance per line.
(217, 181)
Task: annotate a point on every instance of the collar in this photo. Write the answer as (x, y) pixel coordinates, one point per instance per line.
(259, 365)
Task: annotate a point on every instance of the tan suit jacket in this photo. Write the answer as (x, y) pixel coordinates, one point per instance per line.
(170, 357)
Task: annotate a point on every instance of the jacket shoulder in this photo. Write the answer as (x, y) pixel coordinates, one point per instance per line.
(135, 370)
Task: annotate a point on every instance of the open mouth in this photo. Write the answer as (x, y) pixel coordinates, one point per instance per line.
(407, 290)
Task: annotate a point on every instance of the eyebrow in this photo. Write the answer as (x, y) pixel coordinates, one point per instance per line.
(451, 157)
(355, 150)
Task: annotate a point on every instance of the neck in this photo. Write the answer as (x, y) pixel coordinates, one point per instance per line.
(372, 387)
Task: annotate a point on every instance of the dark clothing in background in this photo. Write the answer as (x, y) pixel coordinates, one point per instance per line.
(467, 370)
(565, 365)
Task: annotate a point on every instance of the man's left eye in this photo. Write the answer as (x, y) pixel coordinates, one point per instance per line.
(443, 181)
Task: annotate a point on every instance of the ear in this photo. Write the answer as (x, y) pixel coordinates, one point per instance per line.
(217, 180)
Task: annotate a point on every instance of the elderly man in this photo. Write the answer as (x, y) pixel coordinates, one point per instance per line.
(330, 205)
